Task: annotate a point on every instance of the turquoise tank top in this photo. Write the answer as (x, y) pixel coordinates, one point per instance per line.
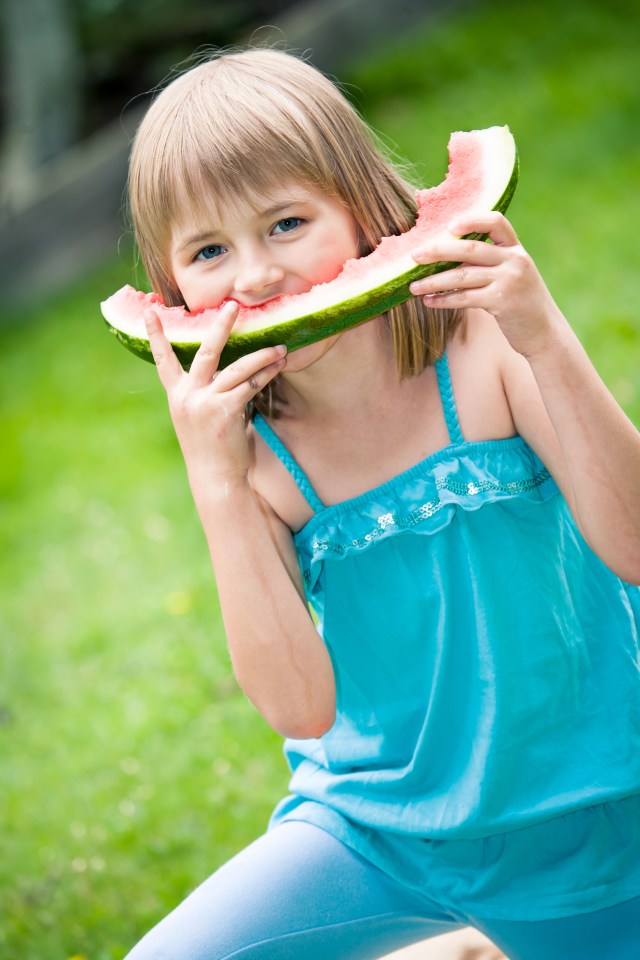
(487, 662)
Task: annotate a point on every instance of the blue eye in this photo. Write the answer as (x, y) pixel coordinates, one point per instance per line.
(210, 252)
(287, 224)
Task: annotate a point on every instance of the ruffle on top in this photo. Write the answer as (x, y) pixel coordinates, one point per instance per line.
(424, 499)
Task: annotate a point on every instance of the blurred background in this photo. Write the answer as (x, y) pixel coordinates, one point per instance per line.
(130, 763)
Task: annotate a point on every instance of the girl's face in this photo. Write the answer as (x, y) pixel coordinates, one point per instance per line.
(260, 248)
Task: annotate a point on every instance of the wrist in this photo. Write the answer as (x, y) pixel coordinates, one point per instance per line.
(216, 491)
(552, 337)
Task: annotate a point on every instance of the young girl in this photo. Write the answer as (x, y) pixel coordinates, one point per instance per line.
(456, 495)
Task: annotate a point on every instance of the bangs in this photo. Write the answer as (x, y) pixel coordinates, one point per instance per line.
(240, 125)
(243, 154)
(229, 128)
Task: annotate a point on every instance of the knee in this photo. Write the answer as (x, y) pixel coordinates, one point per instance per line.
(156, 947)
(151, 948)
(165, 942)
(173, 939)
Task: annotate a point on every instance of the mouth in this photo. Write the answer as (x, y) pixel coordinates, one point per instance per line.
(254, 306)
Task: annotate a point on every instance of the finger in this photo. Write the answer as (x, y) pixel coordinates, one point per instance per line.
(457, 299)
(494, 224)
(206, 360)
(248, 389)
(247, 367)
(459, 278)
(167, 364)
(446, 248)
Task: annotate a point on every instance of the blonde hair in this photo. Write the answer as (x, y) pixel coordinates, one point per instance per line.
(242, 122)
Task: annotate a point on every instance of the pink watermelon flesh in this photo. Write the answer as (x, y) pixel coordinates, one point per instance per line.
(482, 175)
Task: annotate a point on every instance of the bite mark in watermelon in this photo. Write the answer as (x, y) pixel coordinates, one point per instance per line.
(482, 176)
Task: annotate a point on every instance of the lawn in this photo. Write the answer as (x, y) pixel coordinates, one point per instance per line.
(131, 764)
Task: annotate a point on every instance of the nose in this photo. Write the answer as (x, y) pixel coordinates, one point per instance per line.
(257, 271)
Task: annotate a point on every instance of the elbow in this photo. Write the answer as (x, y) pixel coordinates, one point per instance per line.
(631, 576)
(309, 712)
(621, 554)
(304, 709)
(627, 568)
(627, 573)
(631, 573)
(322, 726)
(308, 725)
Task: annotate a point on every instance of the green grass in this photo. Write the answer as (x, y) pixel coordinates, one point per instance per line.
(562, 77)
(131, 764)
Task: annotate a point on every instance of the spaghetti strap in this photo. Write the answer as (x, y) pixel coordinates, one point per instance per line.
(272, 439)
(448, 400)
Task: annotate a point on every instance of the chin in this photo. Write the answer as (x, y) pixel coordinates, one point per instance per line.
(305, 357)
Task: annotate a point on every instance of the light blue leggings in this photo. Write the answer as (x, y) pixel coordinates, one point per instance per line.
(297, 893)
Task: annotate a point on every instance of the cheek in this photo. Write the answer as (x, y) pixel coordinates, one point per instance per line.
(325, 270)
(200, 291)
(330, 258)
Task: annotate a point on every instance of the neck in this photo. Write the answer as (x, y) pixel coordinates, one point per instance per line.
(357, 369)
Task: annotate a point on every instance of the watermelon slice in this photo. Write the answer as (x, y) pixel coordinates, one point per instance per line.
(482, 176)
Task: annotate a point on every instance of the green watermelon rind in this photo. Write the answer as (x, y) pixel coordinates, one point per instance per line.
(301, 331)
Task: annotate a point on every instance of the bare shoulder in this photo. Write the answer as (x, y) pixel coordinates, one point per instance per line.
(275, 486)
(264, 481)
(490, 372)
(476, 356)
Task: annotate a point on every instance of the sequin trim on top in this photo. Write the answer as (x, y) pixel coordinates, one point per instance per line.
(379, 513)
(431, 507)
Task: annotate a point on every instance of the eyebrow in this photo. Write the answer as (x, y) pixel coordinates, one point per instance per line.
(279, 207)
(197, 238)
(193, 240)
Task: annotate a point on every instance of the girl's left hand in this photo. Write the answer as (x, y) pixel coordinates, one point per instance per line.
(499, 277)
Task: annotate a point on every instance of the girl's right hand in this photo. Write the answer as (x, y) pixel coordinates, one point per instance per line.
(207, 405)
(267, 623)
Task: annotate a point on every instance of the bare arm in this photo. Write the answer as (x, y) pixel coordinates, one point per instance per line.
(558, 401)
(278, 657)
(596, 453)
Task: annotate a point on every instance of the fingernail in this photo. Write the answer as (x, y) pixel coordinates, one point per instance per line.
(281, 348)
